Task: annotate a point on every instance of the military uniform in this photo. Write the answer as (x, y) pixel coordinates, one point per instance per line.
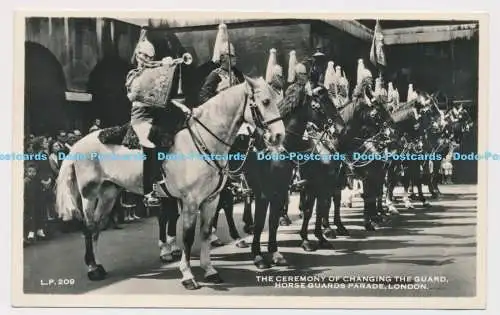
(219, 80)
(342, 87)
(148, 88)
(364, 85)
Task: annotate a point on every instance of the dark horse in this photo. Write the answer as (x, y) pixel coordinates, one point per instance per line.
(365, 134)
(444, 137)
(325, 179)
(270, 179)
(412, 123)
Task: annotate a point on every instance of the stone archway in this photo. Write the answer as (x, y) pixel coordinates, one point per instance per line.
(44, 91)
(109, 95)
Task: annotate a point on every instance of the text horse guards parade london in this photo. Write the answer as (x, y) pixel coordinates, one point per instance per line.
(258, 140)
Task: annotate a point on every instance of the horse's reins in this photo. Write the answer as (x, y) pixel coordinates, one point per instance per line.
(314, 147)
(203, 148)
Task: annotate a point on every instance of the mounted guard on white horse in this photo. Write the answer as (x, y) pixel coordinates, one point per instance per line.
(87, 188)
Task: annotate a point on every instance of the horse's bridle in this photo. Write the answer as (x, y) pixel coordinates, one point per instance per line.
(257, 117)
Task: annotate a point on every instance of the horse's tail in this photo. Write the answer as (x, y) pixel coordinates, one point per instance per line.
(68, 198)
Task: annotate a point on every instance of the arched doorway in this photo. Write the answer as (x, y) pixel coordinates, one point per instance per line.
(44, 91)
(109, 95)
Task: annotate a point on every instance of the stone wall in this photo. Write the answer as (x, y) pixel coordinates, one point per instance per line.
(252, 44)
(79, 43)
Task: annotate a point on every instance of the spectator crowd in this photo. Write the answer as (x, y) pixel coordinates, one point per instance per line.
(40, 218)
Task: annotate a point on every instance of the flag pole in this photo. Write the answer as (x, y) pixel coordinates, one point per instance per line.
(230, 70)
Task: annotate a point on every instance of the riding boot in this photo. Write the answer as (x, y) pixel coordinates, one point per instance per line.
(150, 196)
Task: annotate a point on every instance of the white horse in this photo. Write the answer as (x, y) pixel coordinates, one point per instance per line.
(87, 188)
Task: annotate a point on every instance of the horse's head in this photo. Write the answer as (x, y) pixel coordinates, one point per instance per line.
(262, 111)
(430, 116)
(324, 114)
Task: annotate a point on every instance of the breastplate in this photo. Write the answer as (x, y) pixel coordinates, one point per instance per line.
(225, 83)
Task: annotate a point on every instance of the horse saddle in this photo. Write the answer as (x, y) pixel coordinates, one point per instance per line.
(167, 123)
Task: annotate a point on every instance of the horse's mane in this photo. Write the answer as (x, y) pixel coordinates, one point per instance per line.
(291, 100)
(348, 111)
(262, 84)
(197, 111)
(402, 114)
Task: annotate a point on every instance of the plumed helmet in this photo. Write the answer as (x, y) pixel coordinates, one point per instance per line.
(378, 84)
(361, 67)
(338, 71)
(145, 47)
(390, 88)
(300, 69)
(329, 74)
(227, 49)
(222, 45)
(277, 70)
(292, 62)
(271, 63)
(365, 73)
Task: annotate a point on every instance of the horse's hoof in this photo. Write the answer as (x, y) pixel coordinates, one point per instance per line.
(217, 243)
(324, 244)
(284, 222)
(102, 270)
(248, 229)
(241, 244)
(96, 275)
(167, 258)
(342, 231)
(349, 205)
(371, 226)
(392, 210)
(426, 204)
(260, 263)
(377, 219)
(280, 261)
(190, 284)
(307, 246)
(329, 233)
(215, 278)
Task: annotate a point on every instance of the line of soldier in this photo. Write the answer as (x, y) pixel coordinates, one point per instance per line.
(226, 75)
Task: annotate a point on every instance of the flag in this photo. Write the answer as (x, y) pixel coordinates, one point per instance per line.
(377, 56)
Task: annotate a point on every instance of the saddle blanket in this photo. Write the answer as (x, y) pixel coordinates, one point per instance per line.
(171, 121)
(126, 136)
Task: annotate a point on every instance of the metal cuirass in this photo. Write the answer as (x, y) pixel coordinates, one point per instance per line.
(151, 85)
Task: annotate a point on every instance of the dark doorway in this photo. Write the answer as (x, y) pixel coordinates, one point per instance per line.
(109, 95)
(44, 91)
